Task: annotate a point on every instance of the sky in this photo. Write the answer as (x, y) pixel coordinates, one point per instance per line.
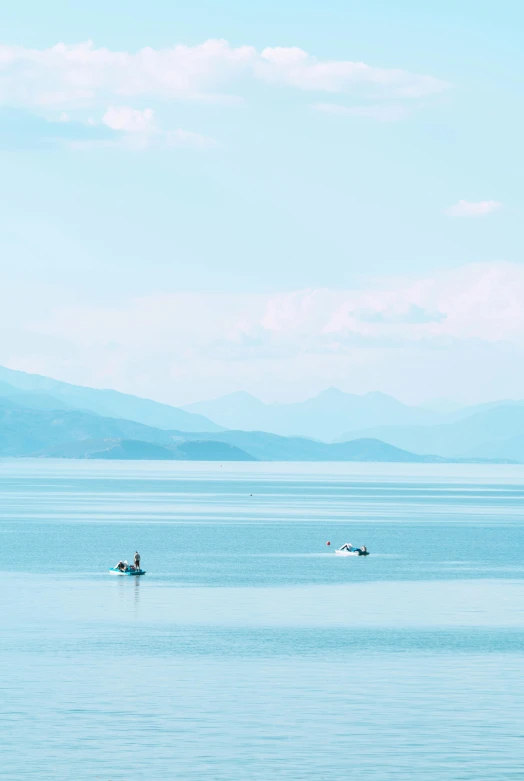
(277, 197)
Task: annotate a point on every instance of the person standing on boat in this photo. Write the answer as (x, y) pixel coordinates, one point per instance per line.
(137, 559)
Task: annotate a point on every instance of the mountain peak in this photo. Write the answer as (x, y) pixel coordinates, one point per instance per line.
(331, 392)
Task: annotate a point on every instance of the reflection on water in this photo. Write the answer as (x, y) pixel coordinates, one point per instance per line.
(249, 651)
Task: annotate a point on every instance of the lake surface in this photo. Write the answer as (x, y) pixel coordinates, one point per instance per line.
(249, 651)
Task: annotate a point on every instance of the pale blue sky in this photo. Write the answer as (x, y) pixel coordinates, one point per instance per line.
(291, 184)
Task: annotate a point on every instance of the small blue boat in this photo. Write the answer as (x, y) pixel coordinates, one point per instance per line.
(127, 571)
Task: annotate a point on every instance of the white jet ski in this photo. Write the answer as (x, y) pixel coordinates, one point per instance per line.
(348, 550)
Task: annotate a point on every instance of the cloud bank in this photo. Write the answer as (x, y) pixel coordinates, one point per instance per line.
(80, 74)
(461, 330)
(65, 81)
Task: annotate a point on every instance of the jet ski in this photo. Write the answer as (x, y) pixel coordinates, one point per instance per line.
(347, 550)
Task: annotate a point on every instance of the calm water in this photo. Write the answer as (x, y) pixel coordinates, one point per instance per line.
(250, 651)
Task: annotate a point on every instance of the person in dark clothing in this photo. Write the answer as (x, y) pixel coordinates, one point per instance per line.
(137, 560)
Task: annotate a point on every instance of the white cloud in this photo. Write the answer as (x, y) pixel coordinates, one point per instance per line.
(68, 76)
(380, 112)
(296, 68)
(473, 208)
(81, 73)
(140, 130)
(130, 120)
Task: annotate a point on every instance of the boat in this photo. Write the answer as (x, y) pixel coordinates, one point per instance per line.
(127, 571)
(343, 551)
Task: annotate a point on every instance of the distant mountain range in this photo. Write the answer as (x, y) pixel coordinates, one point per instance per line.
(44, 417)
(493, 430)
(326, 416)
